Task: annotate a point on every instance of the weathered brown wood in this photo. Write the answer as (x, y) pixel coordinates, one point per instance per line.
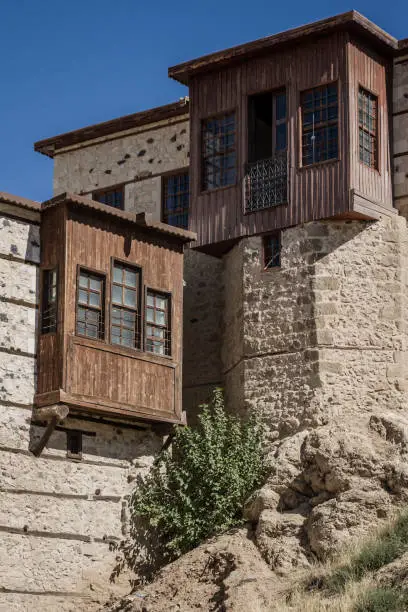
(92, 374)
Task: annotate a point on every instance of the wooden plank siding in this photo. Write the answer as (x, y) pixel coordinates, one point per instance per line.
(373, 72)
(94, 375)
(315, 192)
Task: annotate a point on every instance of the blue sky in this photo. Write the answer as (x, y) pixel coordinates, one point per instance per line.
(67, 64)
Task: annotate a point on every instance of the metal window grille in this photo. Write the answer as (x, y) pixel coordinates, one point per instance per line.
(111, 197)
(219, 157)
(272, 251)
(157, 323)
(90, 305)
(49, 302)
(266, 183)
(320, 132)
(367, 127)
(176, 194)
(125, 317)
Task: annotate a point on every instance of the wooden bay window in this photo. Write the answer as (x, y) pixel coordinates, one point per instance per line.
(157, 323)
(90, 317)
(125, 307)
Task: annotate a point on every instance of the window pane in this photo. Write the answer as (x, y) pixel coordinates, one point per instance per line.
(160, 317)
(117, 274)
(83, 297)
(281, 137)
(150, 300)
(130, 278)
(130, 297)
(94, 299)
(218, 151)
(280, 106)
(161, 302)
(95, 284)
(117, 294)
(319, 124)
(83, 280)
(150, 315)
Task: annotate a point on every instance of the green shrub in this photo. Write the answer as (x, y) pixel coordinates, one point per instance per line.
(390, 544)
(197, 488)
(382, 600)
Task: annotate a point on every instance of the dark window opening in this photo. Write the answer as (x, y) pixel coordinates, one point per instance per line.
(320, 132)
(91, 305)
(267, 131)
(219, 157)
(49, 302)
(367, 127)
(272, 250)
(74, 444)
(158, 323)
(176, 194)
(125, 313)
(111, 197)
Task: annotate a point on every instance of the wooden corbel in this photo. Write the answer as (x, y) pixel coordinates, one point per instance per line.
(52, 415)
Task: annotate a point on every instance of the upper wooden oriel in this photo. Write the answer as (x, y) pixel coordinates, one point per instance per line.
(347, 52)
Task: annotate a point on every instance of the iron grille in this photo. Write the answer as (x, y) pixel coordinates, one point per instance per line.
(266, 183)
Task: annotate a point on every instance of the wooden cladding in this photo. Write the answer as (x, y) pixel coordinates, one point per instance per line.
(321, 170)
(117, 349)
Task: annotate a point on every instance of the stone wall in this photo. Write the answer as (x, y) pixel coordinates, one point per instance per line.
(136, 158)
(57, 515)
(322, 337)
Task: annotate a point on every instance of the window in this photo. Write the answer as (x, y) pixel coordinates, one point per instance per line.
(49, 302)
(74, 444)
(367, 128)
(158, 323)
(267, 133)
(125, 319)
(111, 197)
(320, 138)
(90, 306)
(219, 158)
(272, 250)
(176, 190)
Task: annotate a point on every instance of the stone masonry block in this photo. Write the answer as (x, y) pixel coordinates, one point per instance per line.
(19, 239)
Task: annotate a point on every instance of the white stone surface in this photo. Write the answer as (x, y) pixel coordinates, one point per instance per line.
(19, 281)
(20, 239)
(18, 327)
(17, 378)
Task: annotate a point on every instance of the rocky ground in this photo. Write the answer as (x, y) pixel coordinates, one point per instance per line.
(327, 488)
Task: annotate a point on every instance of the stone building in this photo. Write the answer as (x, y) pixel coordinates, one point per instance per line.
(285, 162)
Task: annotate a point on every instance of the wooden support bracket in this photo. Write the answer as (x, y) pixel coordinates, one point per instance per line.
(53, 415)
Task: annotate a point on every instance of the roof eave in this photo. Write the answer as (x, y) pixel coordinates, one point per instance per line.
(352, 19)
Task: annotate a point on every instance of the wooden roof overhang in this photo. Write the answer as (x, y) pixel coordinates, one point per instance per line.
(142, 220)
(351, 21)
(50, 146)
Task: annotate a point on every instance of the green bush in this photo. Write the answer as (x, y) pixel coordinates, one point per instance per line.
(197, 488)
(382, 600)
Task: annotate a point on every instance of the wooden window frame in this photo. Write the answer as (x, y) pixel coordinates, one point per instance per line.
(375, 134)
(45, 300)
(204, 187)
(168, 327)
(164, 186)
(139, 304)
(321, 125)
(102, 322)
(111, 189)
(267, 257)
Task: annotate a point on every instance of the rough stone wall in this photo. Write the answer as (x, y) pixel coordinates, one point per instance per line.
(137, 158)
(323, 336)
(57, 515)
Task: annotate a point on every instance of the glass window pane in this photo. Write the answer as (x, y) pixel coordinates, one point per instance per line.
(83, 280)
(80, 328)
(150, 300)
(281, 137)
(130, 298)
(161, 302)
(83, 297)
(117, 274)
(150, 315)
(92, 331)
(281, 106)
(94, 299)
(95, 284)
(130, 278)
(160, 317)
(117, 294)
